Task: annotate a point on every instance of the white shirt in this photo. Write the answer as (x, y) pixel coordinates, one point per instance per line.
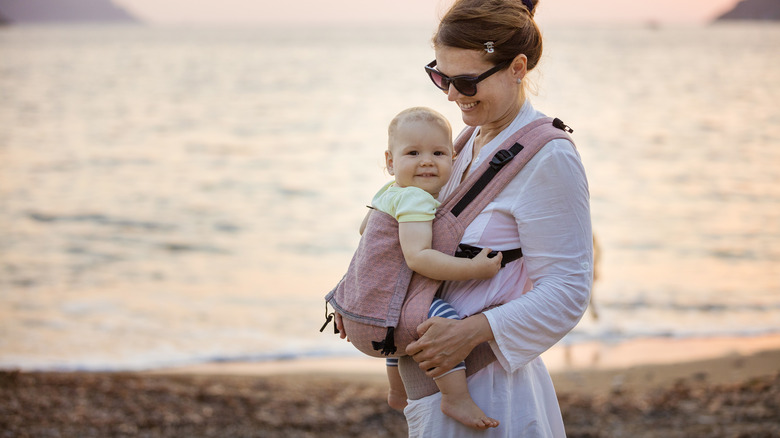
(545, 211)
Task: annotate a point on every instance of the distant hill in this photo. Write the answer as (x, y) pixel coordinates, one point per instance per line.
(62, 11)
(753, 10)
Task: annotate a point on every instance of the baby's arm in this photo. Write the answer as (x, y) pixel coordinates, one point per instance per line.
(415, 240)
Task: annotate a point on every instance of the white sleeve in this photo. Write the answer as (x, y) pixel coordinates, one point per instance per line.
(552, 212)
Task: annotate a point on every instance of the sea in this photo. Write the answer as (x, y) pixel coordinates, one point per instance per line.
(184, 195)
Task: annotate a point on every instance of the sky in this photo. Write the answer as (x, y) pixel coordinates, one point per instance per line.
(413, 11)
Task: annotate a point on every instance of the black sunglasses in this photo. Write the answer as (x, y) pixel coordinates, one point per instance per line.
(466, 85)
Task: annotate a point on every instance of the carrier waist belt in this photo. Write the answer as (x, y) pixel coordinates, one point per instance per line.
(469, 252)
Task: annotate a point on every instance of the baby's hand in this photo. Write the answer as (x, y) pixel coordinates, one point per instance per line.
(486, 267)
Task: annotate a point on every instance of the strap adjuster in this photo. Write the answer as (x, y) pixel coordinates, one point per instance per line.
(501, 158)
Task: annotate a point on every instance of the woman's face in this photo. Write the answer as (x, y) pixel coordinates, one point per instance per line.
(499, 97)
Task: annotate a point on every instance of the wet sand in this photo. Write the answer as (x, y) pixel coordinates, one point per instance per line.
(733, 394)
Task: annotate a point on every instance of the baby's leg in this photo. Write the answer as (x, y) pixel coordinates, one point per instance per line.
(456, 402)
(396, 395)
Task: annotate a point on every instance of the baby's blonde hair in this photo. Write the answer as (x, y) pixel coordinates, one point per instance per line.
(418, 113)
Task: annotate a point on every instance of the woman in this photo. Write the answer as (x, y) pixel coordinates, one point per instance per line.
(544, 210)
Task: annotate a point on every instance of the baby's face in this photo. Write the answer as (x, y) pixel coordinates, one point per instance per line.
(420, 156)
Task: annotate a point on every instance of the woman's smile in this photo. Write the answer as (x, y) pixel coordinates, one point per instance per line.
(467, 106)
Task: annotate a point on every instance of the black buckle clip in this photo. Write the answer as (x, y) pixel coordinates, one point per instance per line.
(466, 251)
(501, 158)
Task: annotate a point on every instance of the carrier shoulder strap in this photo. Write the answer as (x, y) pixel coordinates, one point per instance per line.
(482, 186)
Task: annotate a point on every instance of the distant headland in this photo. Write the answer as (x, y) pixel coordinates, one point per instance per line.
(63, 11)
(768, 10)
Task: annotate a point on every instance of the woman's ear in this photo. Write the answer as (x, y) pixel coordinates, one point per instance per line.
(519, 66)
(389, 162)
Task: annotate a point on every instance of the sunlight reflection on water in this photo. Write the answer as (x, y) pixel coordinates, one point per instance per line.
(175, 195)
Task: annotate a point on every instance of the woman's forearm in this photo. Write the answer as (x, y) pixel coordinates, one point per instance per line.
(478, 330)
(553, 215)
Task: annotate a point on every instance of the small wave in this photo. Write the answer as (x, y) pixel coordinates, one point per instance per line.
(227, 227)
(101, 219)
(615, 336)
(691, 307)
(291, 192)
(735, 254)
(113, 162)
(187, 247)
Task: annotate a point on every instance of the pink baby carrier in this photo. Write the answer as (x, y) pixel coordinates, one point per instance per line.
(382, 301)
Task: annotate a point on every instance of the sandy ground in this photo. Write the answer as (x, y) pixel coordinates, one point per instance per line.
(733, 390)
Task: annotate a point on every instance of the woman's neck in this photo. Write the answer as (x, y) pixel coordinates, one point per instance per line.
(485, 135)
(489, 131)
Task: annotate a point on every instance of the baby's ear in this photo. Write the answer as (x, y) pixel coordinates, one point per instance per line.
(389, 162)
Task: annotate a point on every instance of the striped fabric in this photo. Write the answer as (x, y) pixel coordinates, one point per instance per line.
(441, 309)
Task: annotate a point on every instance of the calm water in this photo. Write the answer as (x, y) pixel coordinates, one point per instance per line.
(171, 196)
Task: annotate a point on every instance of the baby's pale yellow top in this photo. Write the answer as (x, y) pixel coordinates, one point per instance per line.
(406, 204)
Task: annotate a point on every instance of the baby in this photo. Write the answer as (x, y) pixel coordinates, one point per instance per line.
(420, 157)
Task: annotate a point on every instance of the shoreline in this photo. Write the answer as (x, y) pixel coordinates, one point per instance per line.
(561, 360)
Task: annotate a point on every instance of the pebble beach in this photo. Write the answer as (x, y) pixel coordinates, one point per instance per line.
(733, 395)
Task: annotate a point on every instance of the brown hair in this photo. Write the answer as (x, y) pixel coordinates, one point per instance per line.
(420, 113)
(508, 24)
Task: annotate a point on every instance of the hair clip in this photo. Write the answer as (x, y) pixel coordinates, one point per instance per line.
(490, 47)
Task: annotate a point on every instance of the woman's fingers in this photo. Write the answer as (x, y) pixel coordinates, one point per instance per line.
(340, 327)
(419, 345)
(422, 328)
(436, 351)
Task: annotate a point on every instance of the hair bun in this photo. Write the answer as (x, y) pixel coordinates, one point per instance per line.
(531, 5)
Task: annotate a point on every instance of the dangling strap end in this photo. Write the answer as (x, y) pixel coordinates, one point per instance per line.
(328, 318)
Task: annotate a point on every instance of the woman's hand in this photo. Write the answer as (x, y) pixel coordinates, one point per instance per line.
(340, 326)
(445, 343)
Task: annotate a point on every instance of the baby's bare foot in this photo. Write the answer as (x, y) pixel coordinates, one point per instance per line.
(464, 410)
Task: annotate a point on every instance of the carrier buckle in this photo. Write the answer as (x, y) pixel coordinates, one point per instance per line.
(501, 158)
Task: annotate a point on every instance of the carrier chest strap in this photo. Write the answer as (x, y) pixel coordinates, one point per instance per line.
(469, 252)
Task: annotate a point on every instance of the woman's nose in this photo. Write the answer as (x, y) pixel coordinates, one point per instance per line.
(452, 93)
